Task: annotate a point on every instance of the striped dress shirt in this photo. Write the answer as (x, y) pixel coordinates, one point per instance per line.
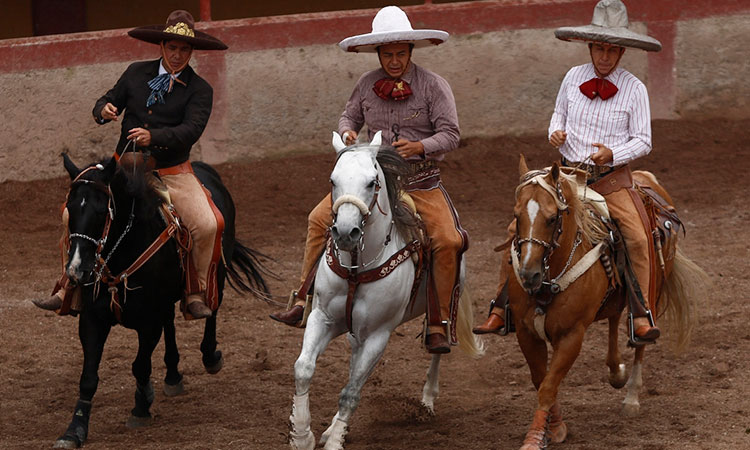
(622, 122)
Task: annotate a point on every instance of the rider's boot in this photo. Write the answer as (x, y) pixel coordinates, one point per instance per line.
(292, 316)
(494, 323)
(436, 341)
(196, 305)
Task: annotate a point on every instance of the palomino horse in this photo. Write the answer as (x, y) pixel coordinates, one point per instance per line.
(369, 232)
(556, 230)
(114, 217)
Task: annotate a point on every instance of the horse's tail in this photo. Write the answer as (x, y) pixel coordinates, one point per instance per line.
(468, 342)
(685, 286)
(246, 271)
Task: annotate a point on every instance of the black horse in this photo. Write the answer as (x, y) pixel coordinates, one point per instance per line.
(114, 216)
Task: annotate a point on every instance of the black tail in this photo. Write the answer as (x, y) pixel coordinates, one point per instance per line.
(246, 270)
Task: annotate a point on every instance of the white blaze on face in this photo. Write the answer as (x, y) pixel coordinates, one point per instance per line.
(75, 260)
(532, 209)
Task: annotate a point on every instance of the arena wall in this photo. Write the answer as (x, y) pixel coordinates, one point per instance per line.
(283, 83)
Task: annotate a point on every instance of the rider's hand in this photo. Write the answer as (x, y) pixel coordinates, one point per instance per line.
(109, 112)
(602, 156)
(141, 135)
(351, 137)
(558, 138)
(407, 148)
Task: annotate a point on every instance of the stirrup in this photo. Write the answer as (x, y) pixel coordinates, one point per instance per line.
(293, 297)
(635, 341)
(509, 326)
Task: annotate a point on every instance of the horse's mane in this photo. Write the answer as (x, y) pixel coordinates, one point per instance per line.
(132, 184)
(396, 169)
(591, 227)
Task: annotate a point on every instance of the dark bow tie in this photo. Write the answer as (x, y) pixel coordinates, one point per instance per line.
(388, 88)
(598, 86)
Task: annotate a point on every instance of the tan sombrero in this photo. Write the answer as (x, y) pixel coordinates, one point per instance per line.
(609, 25)
(391, 26)
(181, 26)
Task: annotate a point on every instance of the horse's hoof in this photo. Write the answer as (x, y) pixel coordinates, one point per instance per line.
(618, 379)
(215, 367)
(65, 443)
(138, 422)
(172, 390)
(630, 409)
(558, 433)
(302, 442)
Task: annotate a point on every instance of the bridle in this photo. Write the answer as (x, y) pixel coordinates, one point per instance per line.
(366, 212)
(537, 178)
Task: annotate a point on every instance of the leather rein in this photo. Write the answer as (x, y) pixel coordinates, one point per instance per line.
(101, 269)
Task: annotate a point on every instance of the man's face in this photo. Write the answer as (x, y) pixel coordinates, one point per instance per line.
(394, 58)
(177, 53)
(605, 57)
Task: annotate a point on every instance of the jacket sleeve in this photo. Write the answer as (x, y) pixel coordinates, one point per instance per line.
(184, 135)
(444, 119)
(353, 117)
(118, 96)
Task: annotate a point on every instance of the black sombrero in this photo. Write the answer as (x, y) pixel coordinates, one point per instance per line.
(181, 26)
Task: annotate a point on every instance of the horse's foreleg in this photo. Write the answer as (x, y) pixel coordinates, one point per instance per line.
(213, 360)
(431, 386)
(92, 335)
(365, 356)
(141, 368)
(173, 379)
(548, 422)
(318, 334)
(617, 374)
(631, 406)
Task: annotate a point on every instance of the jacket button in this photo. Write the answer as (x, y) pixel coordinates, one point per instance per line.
(150, 112)
(145, 125)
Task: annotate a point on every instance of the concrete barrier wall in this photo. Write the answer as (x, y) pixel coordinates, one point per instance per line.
(283, 83)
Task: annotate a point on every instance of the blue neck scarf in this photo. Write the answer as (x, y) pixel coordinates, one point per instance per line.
(160, 85)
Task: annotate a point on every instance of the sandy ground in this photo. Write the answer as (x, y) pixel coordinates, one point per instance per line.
(696, 401)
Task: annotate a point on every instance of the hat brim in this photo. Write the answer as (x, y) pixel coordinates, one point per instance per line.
(622, 37)
(371, 41)
(155, 34)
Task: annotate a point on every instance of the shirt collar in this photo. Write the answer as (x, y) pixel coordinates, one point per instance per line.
(162, 70)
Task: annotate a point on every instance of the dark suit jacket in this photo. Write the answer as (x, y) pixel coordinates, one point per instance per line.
(174, 125)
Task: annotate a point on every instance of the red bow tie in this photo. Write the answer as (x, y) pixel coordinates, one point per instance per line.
(388, 88)
(598, 86)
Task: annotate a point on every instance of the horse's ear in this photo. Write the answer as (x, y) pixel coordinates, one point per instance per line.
(377, 140)
(338, 143)
(555, 171)
(109, 169)
(523, 169)
(70, 166)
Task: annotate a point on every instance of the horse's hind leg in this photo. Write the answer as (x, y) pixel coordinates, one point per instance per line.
(431, 386)
(213, 360)
(173, 379)
(92, 335)
(630, 405)
(617, 374)
(144, 390)
(365, 356)
(318, 334)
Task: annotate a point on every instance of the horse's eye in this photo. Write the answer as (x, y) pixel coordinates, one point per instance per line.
(551, 221)
(371, 185)
(331, 181)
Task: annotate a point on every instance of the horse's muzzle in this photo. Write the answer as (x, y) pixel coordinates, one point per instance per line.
(346, 240)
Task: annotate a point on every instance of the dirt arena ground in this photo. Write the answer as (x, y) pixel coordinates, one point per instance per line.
(699, 400)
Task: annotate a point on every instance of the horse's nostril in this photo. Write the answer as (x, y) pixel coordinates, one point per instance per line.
(355, 234)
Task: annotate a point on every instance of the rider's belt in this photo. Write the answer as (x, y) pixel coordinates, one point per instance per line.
(423, 175)
(184, 167)
(595, 172)
(421, 166)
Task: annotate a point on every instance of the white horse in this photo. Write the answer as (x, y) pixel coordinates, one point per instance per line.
(365, 235)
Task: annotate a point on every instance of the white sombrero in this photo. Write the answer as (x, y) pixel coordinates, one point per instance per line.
(391, 26)
(609, 25)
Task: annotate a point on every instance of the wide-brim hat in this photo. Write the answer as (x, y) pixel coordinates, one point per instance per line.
(391, 26)
(609, 25)
(180, 26)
